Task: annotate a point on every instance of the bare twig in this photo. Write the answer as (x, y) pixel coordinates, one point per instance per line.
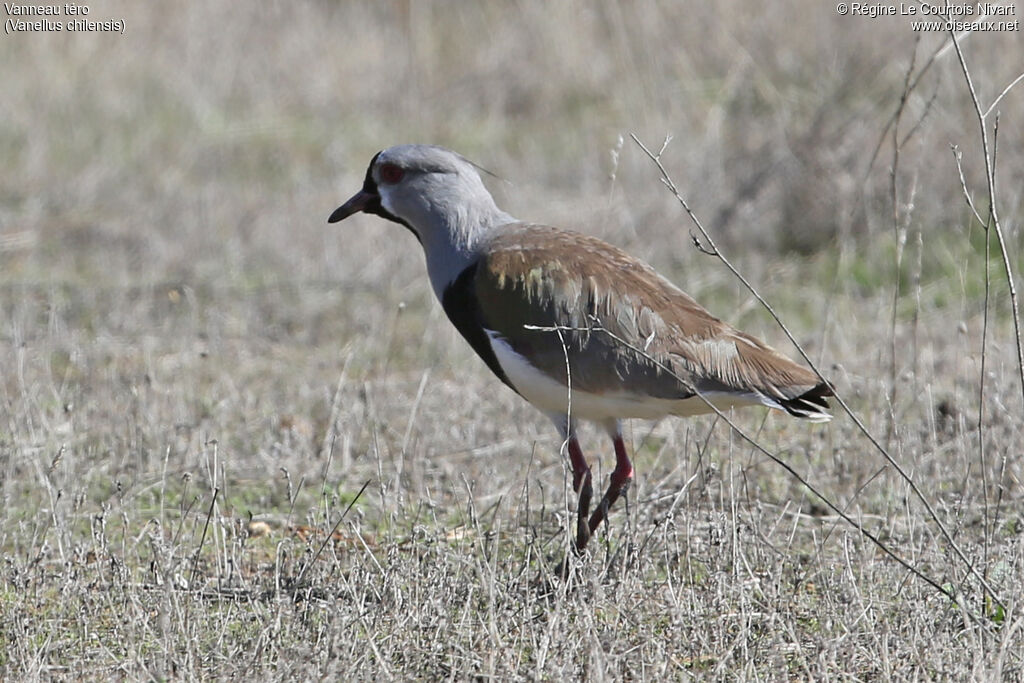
(667, 181)
(899, 228)
(993, 214)
(981, 378)
(597, 327)
(202, 539)
(563, 449)
(329, 536)
(957, 156)
(921, 119)
(991, 225)
(907, 89)
(1002, 95)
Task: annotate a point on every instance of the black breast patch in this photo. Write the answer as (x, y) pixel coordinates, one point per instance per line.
(461, 306)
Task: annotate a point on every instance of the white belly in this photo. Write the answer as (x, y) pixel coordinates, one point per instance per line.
(554, 398)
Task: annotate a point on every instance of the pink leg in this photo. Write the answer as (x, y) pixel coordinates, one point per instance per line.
(620, 479)
(581, 483)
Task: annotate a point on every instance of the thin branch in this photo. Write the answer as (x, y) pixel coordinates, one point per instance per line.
(1002, 469)
(1002, 95)
(899, 228)
(986, 526)
(957, 156)
(907, 91)
(921, 119)
(202, 539)
(330, 535)
(993, 222)
(944, 590)
(656, 158)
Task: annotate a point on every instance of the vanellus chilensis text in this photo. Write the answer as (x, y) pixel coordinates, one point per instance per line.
(575, 326)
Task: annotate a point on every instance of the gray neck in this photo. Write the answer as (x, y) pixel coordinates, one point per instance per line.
(456, 239)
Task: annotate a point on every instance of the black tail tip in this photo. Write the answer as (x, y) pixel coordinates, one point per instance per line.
(812, 404)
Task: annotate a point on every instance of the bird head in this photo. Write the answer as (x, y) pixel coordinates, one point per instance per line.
(434, 192)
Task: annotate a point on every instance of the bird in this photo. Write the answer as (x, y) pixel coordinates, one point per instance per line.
(574, 325)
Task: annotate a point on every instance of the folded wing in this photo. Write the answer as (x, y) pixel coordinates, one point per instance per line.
(550, 294)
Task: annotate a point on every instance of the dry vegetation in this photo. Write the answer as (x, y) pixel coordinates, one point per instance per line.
(198, 374)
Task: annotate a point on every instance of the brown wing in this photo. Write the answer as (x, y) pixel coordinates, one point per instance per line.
(619, 318)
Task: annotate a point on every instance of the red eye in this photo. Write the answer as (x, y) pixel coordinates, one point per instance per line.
(390, 174)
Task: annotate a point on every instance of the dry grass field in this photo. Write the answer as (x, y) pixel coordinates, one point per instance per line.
(198, 374)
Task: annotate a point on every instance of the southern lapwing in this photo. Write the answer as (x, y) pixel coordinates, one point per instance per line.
(575, 326)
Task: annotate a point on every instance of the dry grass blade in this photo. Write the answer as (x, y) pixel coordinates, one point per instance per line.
(202, 539)
(328, 537)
